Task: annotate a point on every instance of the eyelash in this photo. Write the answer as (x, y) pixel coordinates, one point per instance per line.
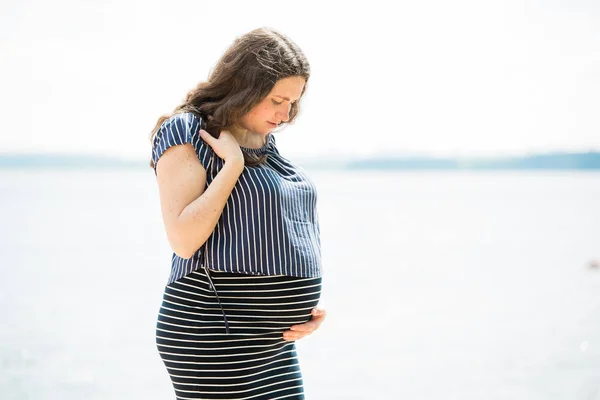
(277, 104)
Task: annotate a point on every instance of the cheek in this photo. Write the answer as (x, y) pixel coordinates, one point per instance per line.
(261, 113)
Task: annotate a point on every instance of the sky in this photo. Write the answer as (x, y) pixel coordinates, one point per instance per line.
(439, 78)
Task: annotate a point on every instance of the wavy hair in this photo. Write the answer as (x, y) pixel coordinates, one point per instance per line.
(241, 79)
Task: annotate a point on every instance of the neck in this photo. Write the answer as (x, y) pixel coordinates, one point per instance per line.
(246, 138)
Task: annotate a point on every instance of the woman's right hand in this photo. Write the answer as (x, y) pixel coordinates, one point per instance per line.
(226, 146)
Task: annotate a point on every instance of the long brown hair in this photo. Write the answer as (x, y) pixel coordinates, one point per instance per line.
(242, 77)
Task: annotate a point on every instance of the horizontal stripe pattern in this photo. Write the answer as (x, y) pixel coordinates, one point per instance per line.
(252, 361)
(269, 225)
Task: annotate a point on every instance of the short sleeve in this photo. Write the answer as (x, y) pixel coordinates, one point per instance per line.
(180, 129)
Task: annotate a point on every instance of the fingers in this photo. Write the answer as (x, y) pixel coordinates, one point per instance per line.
(210, 138)
(207, 136)
(314, 323)
(290, 336)
(309, 326)
(318, 312)
(226, 147)
(299, 331)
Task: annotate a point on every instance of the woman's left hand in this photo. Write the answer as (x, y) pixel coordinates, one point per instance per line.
(299, 331)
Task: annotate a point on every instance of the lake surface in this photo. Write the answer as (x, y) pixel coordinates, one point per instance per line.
(438, 285)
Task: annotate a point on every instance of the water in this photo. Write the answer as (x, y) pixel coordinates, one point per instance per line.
(453, 285)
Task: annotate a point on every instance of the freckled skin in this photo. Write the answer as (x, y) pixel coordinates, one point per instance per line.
(252, 129)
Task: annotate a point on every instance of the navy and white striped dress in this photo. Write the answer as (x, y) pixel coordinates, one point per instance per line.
(223, 312)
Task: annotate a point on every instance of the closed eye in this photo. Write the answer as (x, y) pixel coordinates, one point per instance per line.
(281, 102)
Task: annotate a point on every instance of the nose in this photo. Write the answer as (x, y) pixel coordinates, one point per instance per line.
(284, 116)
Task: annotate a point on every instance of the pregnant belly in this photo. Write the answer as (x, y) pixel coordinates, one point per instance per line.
(253, 305)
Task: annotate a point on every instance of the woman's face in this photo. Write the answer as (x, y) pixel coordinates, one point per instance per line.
(275, 107)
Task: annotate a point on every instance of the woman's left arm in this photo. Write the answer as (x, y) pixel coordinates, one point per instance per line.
(299, 331)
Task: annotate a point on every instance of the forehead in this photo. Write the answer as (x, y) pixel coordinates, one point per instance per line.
(289, 88)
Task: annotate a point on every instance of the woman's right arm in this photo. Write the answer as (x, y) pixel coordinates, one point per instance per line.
(190, 213)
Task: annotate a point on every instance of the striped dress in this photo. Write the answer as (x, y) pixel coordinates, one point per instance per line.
(223, 312)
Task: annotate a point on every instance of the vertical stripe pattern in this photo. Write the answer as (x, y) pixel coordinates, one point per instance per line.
(269, 225)
(253, 361)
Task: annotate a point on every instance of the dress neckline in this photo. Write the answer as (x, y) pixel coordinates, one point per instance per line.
(260, 150)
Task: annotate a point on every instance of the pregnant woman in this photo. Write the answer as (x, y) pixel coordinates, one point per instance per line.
(243, 225)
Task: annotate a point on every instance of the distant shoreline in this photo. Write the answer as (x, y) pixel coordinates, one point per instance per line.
(544, 161)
